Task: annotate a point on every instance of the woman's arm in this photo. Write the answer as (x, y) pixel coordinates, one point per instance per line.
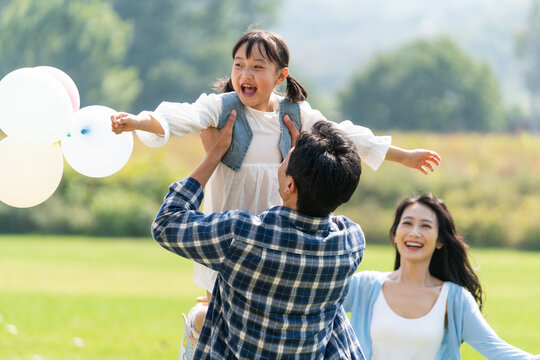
(478, 334)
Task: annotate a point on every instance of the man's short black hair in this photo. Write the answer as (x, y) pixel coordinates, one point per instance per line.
(325, 167)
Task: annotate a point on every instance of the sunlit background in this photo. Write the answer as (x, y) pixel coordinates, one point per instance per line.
(80, 277)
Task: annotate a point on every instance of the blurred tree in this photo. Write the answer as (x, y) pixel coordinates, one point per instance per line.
(427, 85)
(181, 46)
(528, 44)
(84, 38)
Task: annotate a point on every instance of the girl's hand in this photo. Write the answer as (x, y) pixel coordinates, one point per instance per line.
(292, 129)
(421, 159)
(124, 122)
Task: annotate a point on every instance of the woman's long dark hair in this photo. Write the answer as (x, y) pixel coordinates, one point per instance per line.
(274, 47)
(451, 262)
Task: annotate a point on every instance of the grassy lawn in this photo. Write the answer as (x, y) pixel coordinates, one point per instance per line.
(104, 298)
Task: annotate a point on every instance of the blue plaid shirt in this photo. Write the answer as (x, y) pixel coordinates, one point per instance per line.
(282, 277)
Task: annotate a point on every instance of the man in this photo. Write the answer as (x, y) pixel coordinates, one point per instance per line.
(283, 274)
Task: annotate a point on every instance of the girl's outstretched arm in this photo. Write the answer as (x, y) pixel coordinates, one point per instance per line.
(128, 122)
(419, 159)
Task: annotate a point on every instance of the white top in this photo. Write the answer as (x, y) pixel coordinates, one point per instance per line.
(395, 337)
(255, 187)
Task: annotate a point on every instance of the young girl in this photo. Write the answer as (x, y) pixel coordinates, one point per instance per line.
(431, 302)
(247, 177)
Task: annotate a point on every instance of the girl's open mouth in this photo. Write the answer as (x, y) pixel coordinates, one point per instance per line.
(248, 90)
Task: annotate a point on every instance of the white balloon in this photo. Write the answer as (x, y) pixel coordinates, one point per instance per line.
(91, 148)
(68, 84)
(35, 107)
(29, 174)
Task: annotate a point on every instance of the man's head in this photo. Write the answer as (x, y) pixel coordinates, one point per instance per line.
(321, 172)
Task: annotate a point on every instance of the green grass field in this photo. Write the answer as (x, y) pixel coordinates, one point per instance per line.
(104, 298)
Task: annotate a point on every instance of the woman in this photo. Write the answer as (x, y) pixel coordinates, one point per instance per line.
(431, 302)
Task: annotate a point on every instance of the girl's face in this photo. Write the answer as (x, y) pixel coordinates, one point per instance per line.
(254, 78)
(417, 233)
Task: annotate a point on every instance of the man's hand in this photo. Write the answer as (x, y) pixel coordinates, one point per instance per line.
(292, 129)
(218, 140)
(216, 143)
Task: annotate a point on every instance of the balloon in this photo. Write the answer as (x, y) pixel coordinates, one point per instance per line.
(91, 148)
(29, 174)
(67, 82)
(34, 107)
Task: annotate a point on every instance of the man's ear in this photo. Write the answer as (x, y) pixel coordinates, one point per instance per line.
(290, 188)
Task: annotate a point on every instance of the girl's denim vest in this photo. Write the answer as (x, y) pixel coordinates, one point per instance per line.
(242, 134)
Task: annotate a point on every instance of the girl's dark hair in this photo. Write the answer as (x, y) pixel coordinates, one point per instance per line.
(451, 262)
(275, 49)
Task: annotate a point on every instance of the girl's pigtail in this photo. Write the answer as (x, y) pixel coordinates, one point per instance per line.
(223, 85)
(295, 91)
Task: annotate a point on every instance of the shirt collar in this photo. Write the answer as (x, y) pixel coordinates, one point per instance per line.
(305, 222)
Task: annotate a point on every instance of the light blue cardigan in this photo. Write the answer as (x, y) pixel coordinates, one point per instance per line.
(465, 322)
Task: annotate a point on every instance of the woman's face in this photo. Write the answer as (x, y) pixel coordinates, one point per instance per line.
(417, 233)
(254, 78)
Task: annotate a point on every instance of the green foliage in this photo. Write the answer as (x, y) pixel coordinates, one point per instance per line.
(123, 204)
(528, 44)
(427, 85)
(531, 239)
(182, 47)
(86, 39)
(516, 119)
(528, 47)
(490, 183)
(114, 48)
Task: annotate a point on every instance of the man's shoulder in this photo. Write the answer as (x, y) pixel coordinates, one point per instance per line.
(344, 222)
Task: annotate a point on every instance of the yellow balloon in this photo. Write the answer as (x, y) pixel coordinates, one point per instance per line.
(29, 174)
